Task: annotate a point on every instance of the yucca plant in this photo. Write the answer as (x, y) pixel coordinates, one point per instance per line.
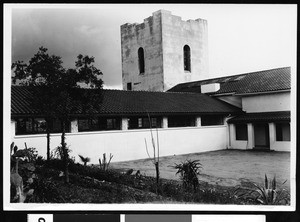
(266, 194)
(189, 171)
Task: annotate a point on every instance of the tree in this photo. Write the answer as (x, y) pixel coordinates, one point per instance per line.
(59, 90)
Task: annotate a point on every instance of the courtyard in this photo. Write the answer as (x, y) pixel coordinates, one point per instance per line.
(223, 167)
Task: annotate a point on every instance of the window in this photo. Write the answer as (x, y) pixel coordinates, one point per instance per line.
(283, 132)
(129, 86)
(88, 125)
(111, 124)
(187, 58)
(38, 126)
(241, 132)
(212, 120)
(141, 60)
(143, 122)
(181, 121)
(98, 124)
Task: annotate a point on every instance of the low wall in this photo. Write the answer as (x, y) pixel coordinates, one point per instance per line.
(281, 146)
(239, 144)
(130, 144)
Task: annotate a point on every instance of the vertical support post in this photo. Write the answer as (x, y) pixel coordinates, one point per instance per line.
(250, 129)
(272, 133)
(74, 126)
(198, 121)
(124, 124)
(164, 122)
(13, 125)
(231, 135)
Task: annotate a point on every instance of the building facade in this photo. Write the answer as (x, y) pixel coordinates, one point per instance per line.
(265, 98)
(163, 51)
(180, 122)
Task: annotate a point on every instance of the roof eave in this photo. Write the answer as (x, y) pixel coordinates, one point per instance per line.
(266, 92)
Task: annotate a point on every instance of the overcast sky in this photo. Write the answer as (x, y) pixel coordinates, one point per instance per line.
(242, 38)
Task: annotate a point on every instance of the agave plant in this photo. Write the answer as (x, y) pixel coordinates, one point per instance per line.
(266, 194)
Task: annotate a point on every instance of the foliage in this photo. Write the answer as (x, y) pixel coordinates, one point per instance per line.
(22, 173)
(57, 153)
(58, 89)
(85, 160)
(189, 171)
(104, 164)
(266, 194)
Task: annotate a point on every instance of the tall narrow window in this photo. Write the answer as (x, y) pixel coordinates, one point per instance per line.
(141, 60)
(187, 58)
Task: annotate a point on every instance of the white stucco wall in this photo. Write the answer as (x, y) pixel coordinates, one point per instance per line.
(267, 102)
(281, 146)
(130, 144)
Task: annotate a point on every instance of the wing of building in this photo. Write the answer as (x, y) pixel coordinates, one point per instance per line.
(264, 96)
(185, 123)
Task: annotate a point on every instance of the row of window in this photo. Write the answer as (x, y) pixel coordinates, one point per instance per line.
(38, 125)
(282, 132)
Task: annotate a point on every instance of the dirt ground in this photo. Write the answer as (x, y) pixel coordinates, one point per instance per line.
(223, 167)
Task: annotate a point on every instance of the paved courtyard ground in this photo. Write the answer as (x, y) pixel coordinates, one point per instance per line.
(224, 167)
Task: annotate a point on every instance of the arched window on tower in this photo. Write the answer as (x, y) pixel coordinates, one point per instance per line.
(141, 60)
(187, 58)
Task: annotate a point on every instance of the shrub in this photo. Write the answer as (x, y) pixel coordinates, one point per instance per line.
(266, 194)
(189, 171)
(85, 160)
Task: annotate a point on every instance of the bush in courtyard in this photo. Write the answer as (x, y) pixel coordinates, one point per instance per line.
(266, 194)
(189, 171)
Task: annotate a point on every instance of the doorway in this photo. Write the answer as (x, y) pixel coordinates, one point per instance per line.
(261, 136)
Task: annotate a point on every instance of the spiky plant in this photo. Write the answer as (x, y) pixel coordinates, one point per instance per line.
(189, 171)
(266, 194)
(85, 160)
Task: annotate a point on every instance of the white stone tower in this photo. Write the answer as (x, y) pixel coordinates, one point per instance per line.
(163, 51)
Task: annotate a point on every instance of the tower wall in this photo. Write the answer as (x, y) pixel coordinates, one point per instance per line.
(177, 33)
(163, 36)
(147, 35)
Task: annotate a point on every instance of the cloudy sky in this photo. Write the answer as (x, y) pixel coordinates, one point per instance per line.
(242, 38)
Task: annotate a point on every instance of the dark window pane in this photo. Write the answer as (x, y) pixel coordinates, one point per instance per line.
(212, 120)
(181, 121)
(187, 58)
(283, 132)
(141, 60)
(129, 86)
(143, 122)
(241, 132)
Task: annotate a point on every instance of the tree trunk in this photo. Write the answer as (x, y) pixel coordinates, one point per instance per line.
(48, 143)
(157, 175)
(48, 130)
(65, 152)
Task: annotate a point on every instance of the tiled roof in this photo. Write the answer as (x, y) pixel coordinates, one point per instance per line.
(119, 102)
(261, 117)
(254, 82)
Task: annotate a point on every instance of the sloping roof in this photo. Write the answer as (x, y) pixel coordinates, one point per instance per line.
(262, 117)
(254, 82)
(120, 102)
